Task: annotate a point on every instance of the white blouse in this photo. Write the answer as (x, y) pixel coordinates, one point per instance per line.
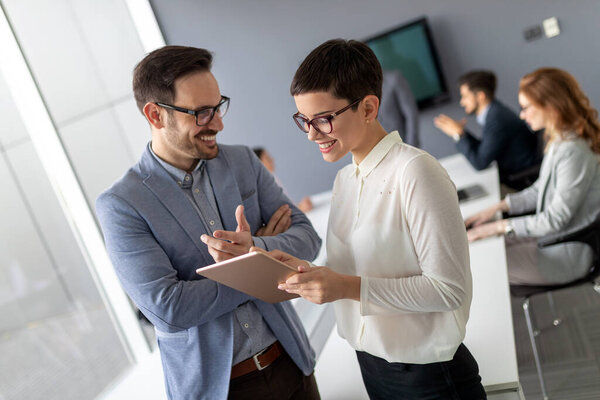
(395, 222)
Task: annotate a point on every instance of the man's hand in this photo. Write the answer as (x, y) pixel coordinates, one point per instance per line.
(450, 126)
(226, 244)
(280, 221)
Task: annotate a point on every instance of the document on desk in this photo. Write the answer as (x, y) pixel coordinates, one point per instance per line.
(256, 274)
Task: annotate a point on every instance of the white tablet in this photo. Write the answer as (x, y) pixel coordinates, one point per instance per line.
(256, 274)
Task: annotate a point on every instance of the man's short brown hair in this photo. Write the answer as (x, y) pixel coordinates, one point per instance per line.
(480, 81)
(154, 77)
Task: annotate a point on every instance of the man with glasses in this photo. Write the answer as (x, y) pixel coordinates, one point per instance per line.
(190, 202)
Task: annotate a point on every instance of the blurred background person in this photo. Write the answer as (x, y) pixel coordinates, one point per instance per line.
(566, 196)
(398, 110)
(263, 155)
(505, 138)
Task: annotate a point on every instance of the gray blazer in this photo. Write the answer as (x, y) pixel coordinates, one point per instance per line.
(565, 198)
(152, 235)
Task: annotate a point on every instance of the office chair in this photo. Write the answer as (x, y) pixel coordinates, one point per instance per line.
(522, 179)
(589, 235)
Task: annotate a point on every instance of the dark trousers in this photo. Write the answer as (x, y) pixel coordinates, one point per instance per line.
(457, 379)
(280, 380)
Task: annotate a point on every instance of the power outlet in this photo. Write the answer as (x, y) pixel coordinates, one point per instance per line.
(551, 27)
(532, 33)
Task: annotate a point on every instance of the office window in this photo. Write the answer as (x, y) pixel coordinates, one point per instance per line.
(56, 338)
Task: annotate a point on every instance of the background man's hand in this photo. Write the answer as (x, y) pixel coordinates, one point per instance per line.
(305, 204)
(226, 244)
(280, 221)
(450, 126)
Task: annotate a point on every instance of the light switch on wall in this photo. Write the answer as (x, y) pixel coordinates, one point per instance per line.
(551, 28)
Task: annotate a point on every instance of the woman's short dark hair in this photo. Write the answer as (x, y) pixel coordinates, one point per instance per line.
(154, 77)
(480, 81)
(348, 69)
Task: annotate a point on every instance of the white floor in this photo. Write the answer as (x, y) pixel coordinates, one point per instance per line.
(143, 382)
(337, 374)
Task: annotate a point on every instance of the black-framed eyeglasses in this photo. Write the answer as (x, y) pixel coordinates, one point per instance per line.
(321, 124)
(205, 114)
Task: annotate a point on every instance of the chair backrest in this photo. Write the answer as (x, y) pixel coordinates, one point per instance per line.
(589, 235)
(524, 178)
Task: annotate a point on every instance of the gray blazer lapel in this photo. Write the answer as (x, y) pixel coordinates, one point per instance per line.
(159, 182)
(226, 190)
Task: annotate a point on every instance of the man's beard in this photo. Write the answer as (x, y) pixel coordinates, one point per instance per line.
(203, 155)
(474, 110)
(184, 145)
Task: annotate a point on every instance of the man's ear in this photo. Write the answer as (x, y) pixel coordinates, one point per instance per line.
(371, 103)
(153, 115)
(481, 96)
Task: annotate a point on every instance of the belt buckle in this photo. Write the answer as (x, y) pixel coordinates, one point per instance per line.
(257, 362)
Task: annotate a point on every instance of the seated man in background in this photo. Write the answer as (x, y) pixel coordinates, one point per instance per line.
(505, 138)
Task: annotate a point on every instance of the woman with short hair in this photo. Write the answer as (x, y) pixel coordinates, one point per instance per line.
(397, 251)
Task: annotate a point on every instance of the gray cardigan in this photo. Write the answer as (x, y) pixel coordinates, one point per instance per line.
(566, 197)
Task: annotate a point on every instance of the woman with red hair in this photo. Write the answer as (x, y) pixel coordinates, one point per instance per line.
(566, 196)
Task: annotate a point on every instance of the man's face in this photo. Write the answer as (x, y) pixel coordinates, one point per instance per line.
(182, 140)
(468, 100)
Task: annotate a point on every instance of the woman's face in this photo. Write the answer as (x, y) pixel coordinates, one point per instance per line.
(346, 134)
(535, 116)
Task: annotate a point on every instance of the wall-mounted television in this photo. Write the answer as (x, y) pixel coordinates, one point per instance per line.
(410, 49)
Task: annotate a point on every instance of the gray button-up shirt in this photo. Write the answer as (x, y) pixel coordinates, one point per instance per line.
(251, 332)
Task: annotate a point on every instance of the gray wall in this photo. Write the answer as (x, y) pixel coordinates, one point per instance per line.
(259, 44)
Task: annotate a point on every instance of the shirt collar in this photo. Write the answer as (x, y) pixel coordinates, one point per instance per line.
(481, 117)
(377, 154)
(177, 174)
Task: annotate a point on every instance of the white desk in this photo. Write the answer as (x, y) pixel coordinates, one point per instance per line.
(490, 334)
(489, 330)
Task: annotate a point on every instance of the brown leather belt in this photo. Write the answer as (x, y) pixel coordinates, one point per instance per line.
(258, 361)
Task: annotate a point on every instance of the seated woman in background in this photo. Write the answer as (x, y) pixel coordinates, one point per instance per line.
(263, 155)
(566, 196)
